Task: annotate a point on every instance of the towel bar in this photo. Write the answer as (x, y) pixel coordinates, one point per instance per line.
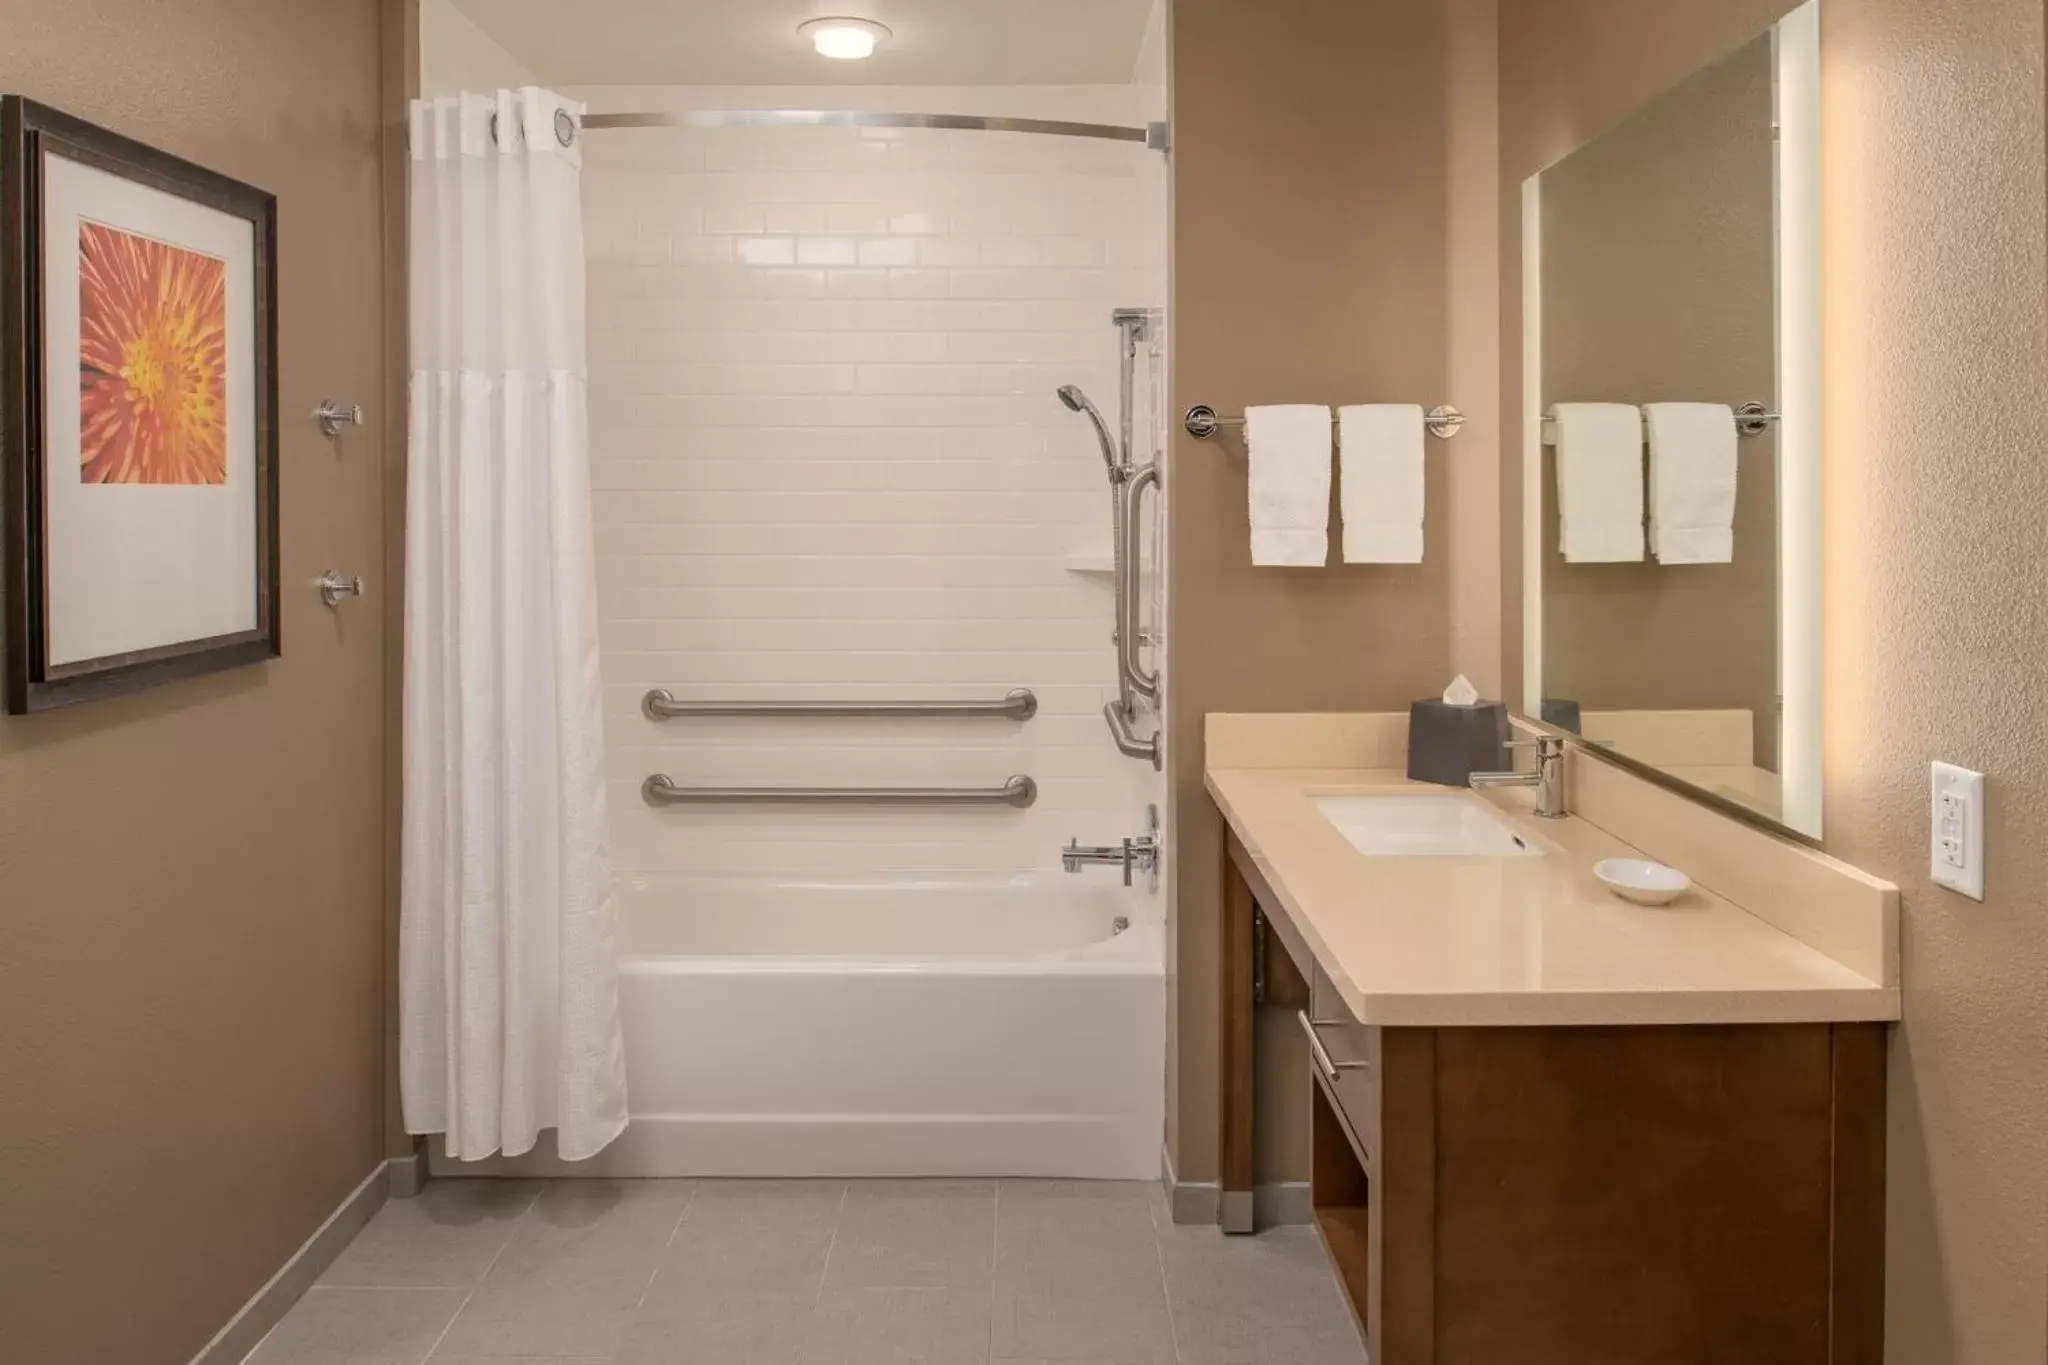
(1201, 421)
(1751, 419)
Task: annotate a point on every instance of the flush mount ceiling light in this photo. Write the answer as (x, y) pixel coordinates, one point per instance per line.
(846, 40)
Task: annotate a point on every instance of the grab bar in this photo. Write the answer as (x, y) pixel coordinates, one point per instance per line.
(1019, 791)
(1020, 705)
(1143, 683)
(1127, 742)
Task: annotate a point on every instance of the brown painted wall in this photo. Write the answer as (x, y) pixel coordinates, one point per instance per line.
(1309, 265)
(1658, 284)
(191, 879)
(1937, 592)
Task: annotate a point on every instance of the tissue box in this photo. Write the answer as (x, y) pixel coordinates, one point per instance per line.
(1447, 744)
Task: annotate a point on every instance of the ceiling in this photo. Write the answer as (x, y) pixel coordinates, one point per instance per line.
(755, 42)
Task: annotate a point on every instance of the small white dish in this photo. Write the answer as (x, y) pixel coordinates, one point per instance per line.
(1645, 883)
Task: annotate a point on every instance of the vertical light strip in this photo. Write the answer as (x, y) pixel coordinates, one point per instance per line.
(1799, 403)
(1532, 446)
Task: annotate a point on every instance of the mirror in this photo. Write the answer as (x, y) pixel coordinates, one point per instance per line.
(1671, 481)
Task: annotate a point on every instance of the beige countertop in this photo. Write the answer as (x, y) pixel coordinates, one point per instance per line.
(1496, 941)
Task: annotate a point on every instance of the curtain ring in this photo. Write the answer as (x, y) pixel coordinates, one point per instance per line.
(565, 128)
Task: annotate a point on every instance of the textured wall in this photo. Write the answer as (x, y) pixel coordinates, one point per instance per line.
(1937, 597)
(190, 974)
(829, 462)
(1309, 265)
(1937, 504)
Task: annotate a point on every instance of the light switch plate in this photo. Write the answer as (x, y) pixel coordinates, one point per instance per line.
(1955, 848)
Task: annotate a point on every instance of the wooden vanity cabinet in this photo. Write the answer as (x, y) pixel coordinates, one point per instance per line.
(1619, 1195)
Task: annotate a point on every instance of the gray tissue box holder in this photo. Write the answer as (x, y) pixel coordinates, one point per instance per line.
(1447, 744)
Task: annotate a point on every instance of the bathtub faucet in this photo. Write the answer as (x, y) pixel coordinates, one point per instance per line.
(1140, 853)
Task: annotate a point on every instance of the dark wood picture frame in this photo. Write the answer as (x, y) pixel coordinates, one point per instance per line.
(28, 132)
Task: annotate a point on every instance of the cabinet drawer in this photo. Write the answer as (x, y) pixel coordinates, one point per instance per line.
(1346, 1053)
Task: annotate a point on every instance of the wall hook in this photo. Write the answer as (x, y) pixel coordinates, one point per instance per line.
(332, 416)
(335, 585)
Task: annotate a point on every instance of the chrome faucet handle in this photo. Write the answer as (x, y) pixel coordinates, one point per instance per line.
(1544, 745)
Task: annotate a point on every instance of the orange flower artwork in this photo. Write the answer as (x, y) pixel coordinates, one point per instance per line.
(152, 361)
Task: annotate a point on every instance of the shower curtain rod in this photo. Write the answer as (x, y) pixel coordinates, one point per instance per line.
(1153, 135)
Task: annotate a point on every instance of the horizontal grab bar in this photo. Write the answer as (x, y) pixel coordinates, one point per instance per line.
(1020, 705)
(1018, 791)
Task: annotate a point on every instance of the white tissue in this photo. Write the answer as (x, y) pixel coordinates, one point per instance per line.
(1461, 692)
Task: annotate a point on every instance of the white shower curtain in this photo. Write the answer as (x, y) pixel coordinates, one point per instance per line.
(509, 979)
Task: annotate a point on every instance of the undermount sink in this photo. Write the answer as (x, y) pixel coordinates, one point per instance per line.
(1423, 827)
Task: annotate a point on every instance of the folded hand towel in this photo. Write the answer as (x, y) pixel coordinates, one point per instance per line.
(1290, 483)
(1599, 482)
(1380, 482)
(1692, 482)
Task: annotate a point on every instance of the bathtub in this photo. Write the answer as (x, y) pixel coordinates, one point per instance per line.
(933, 1028)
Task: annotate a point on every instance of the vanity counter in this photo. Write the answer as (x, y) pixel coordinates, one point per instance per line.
(1449, 941)
(1548, 1125)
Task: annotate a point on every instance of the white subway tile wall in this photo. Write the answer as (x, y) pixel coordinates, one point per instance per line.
(828, 463)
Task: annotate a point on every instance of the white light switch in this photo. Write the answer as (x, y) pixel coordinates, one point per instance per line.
(1956, 848)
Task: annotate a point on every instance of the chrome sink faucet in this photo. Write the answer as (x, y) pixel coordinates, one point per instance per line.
(1548, 779)
(1140, 853)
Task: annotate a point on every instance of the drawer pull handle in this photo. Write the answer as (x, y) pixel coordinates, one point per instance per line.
(1324, 1064)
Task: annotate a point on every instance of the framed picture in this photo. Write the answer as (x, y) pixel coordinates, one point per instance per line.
(138, 414)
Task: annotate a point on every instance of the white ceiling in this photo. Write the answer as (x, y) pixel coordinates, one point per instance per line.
(755, 42)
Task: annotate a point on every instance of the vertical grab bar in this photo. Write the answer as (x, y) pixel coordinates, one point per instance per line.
(1129, 661)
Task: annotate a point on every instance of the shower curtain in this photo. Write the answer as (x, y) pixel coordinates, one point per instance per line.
(509, 981)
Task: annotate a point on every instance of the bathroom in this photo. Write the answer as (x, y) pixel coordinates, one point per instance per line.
(943, 956)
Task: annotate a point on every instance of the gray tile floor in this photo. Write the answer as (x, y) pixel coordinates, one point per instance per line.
(948, 1272)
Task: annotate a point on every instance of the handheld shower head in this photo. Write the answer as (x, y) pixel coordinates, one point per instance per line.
(1077, 401)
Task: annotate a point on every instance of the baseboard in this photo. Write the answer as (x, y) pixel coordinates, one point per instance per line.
(1079, 1147)
(408, 1173)
(232, 1344)
(1199, 1203)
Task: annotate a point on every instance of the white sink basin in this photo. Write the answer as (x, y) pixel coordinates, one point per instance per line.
(1423, 827)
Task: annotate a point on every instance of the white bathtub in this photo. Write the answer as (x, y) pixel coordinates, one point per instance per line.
(936, 1028)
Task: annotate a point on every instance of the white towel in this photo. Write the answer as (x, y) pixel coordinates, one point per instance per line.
(1599, 482)
(1380, 485)
(1692, 482)
(1290, 483)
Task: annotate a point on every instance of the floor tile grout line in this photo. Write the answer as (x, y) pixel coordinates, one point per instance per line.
(995, 1241)
(824, 1271)
(449, 1326)
(674, 1231)
(1165, 1289)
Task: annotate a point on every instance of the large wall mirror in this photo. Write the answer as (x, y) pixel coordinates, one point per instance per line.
(1671, 480)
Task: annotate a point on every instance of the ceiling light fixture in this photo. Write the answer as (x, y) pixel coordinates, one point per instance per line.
(842, 39)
